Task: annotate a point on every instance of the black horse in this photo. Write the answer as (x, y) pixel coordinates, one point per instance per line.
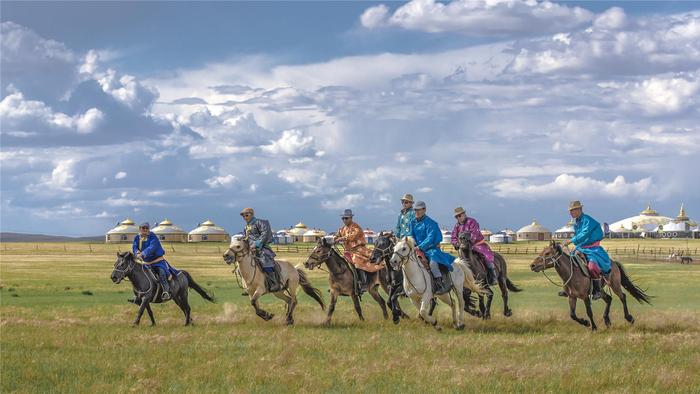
(479, 270)
(147, 290)
(383, 249)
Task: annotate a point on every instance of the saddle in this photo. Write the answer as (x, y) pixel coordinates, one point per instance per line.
(581, 261)
(423, 259)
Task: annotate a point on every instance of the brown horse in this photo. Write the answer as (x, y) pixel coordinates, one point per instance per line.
(342, 280)
(467, 255)
(577, 285)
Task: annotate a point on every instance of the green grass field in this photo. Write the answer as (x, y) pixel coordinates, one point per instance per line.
(65, 327)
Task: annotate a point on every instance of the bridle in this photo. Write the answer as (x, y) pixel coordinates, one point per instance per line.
(384, 252)
(402, 263)
(131, 262)
(238, 258)
(126, 271)
(554, 261)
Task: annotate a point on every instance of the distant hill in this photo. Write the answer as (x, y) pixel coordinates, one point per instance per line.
(19, 237)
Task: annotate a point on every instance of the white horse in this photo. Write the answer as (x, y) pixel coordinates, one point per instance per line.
(254, 278)
(418, 284)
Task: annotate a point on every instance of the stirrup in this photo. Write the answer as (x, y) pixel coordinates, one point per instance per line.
(165, 296)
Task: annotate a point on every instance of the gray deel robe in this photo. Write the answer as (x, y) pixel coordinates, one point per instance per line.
(259, 235)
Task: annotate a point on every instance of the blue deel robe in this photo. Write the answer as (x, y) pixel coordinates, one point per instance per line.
(403, 224)
(151, 249)
(426, 232)
(588, 231)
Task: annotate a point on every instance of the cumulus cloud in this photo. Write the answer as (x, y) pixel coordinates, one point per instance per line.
(225, 181)
(569, 186)
(478, 17)
(120, 175)
(292, 143)
(19, 114)
(345, 202)
(664, 95)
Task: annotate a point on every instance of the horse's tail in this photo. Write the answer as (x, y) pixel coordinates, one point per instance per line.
(511, 286)
(469, 281)
(633, 289)
(194, 286)
(310, 290)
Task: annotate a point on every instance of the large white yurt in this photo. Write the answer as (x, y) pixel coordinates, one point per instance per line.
(282, 237)
(297, 232)
(370, 236)
(208, 231)
(534, 232)
(500, 238)
(565, 232)
(313, 235)
(646, 222)
(680, 227)
(168, 232)
(124, 231)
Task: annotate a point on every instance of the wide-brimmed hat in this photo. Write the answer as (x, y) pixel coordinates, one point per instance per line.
(248, 210)
(407, 197)
(575, 205)
(459, 211)
(419, 205)
(347, 213)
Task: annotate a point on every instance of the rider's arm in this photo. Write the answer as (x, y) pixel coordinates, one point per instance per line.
(431, 240)
(135, 245)
(455, 236)
(153, 245)
(583, 236)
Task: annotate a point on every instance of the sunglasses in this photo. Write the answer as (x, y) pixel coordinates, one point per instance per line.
(246, 214)
(347, 218)
(144, 228)
(407, 202)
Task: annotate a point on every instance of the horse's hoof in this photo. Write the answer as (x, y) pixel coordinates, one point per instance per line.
(585, 323)
(508, 313)
(396, 320)
(594, 328)
(460, 327)
(486, 317)
(269, 316)
(290, 322)
(630, 319)
(607, 323)
(437, 328)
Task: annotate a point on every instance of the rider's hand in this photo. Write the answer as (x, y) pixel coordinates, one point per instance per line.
(417, 249)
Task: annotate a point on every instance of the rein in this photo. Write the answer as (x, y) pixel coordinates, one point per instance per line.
(402, 264)
(555, 263)
(239, 256)
(129, 269)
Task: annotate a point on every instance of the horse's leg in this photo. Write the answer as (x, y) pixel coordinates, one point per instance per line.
(144, 303)
(416, 303)
(617, 289)
(504, 295)
(254, 302)
(185, 307)
(288, 300)
(425, 311)
(185, 303)
(331, 307)
(377, 297)
(356, 303)
(393, 303)
(589, 312)
(489, 299)
(150, 315)
(572, 312)
(608, 301)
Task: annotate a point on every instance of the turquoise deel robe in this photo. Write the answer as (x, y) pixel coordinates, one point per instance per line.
(426, 232)
(586, 232)
(403, 224)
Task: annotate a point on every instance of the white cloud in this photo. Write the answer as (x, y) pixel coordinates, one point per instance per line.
(345, 202)
(17, 113)
(569, 186)
(225, 181)
(479, 17)
(120, 175)
(292, 143)
(661, 96)
(613, 18)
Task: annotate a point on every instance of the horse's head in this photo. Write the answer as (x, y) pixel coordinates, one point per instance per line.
(122, 266)
(465, 240)
(383, 245)
(320, 253)
(547, 258)
(238, 248)
(402, 252)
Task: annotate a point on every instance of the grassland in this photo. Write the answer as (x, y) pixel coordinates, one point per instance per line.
(65, 327)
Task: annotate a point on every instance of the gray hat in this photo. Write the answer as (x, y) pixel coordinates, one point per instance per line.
(347, 214)
(419, 205)
(145, 224)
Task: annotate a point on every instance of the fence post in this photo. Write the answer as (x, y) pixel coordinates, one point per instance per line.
(90, 247)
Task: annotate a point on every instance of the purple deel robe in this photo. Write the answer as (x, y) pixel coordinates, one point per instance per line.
(472, 226)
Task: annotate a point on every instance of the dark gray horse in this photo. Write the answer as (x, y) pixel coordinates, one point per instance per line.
(383, 249)
(479, 270)
(341, 278)
(147, 290)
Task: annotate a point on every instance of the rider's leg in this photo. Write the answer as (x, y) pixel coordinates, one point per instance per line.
(268, 265)
(595, 274)
(163, 278)
(362, 279)
(439, 281)
(491, 275)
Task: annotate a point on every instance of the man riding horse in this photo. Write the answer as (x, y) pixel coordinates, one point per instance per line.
(426, 232)
(259, 236)
(147, 247)
(356, 250)
(587, 237)
(479, 245)
(406, 216)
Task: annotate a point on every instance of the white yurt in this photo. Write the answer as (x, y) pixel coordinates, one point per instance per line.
(486, 233)
(124, 231)
(680, 227)
(534, 232)
(282, 237)
(208, 231)
(446, 237)
(500, 238)
(297, 232)
(370, 235)
(565, 232)
(313, 235)
(168, 232)
(646, 222)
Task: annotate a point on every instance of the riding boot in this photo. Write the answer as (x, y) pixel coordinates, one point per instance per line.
(440, 286)
(273, 280)
(491, 275)
(596, 289)
(362, 280)
(166, 288)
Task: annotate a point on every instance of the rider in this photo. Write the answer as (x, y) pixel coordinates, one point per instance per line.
(479, 245)
(426, 232)
(356, 250)
(147, 247)
(406, 216)
(259, 236)
(587, 237)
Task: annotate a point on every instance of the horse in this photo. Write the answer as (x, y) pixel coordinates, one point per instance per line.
(686, 259)
(578, 286)
(383, 248)
(147, 289)
(341, 278)
(291, 277)
(504, 283)
(418, 284)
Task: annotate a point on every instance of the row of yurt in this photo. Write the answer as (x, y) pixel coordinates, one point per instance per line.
(166, 231)
(680, 227)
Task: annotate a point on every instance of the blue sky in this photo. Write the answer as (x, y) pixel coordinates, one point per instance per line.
(194, 110)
